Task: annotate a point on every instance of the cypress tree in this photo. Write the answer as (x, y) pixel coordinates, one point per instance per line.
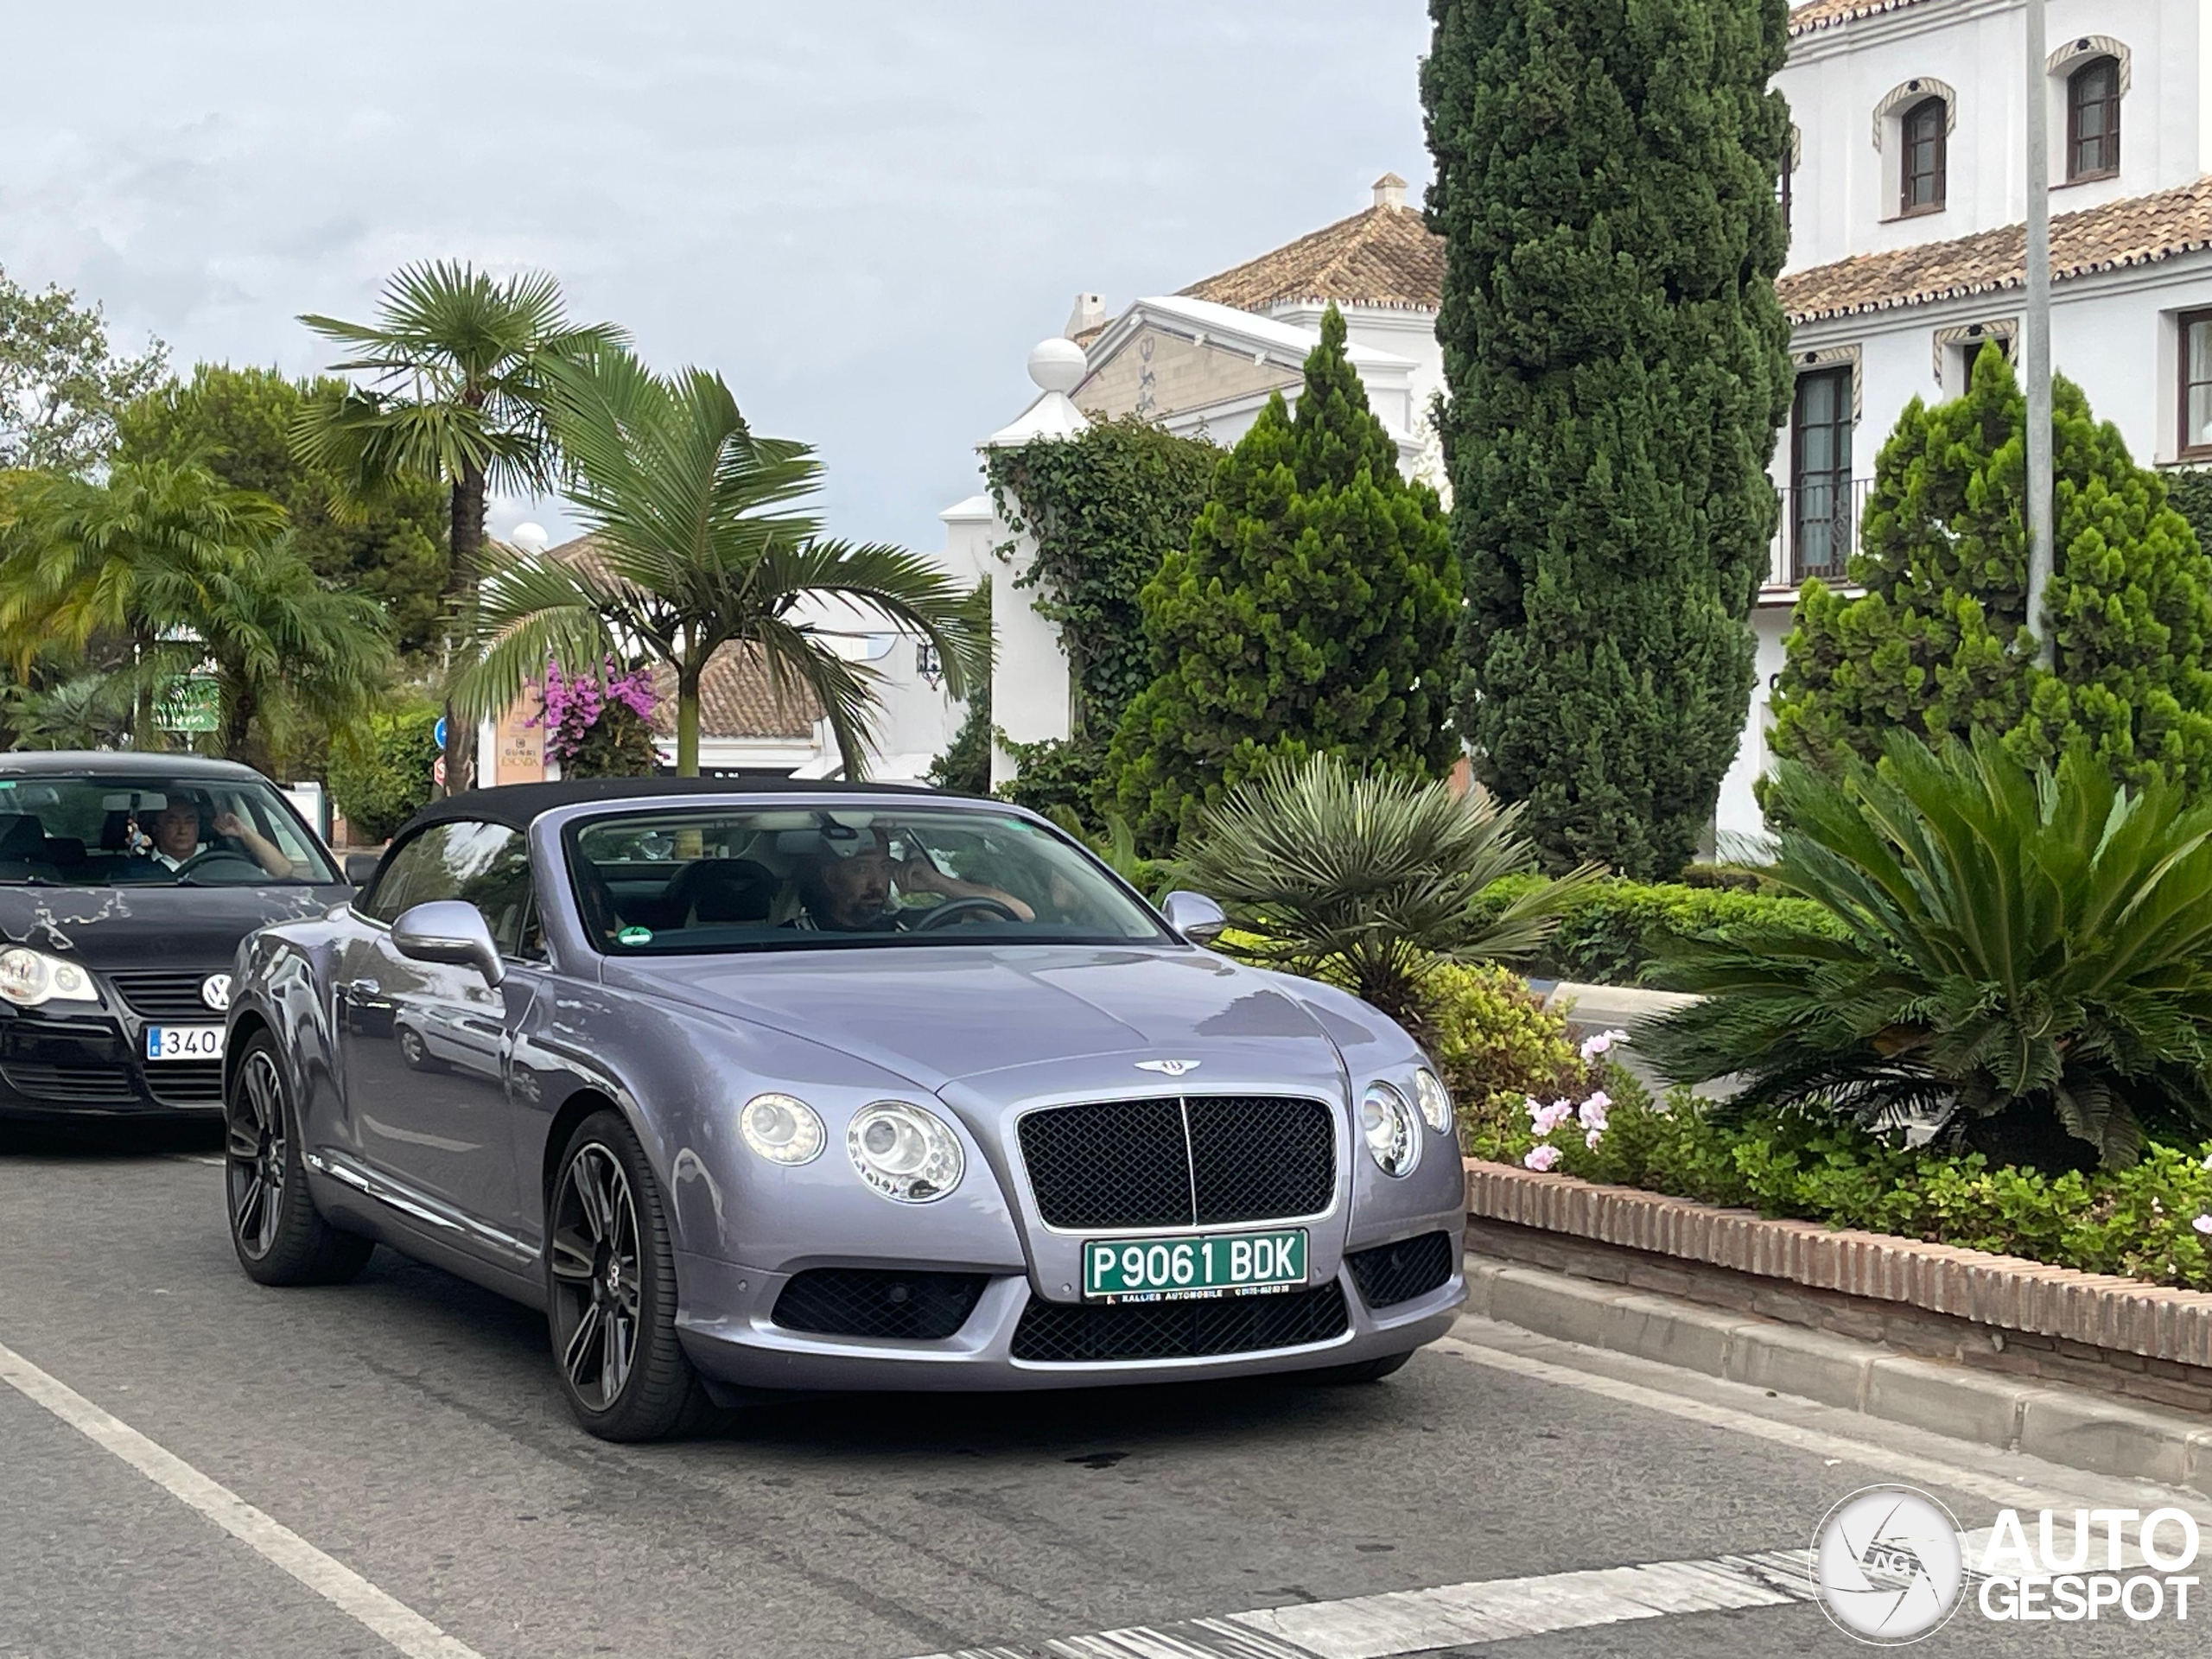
(1312, 611)
(1939, 640)
(1617, 368)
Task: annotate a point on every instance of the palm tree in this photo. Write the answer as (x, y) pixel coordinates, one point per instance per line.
(1373, 879)
(197, 576)
(457, 391)
(77, 552)
(279, 646)
(697, 546)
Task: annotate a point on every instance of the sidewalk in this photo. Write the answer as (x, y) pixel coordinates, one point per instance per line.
(2074, 1426)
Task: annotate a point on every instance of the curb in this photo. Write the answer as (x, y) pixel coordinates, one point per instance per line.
(2073, 1426)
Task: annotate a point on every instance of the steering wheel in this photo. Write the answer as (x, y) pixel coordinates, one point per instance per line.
(216, 856)
(974, 904)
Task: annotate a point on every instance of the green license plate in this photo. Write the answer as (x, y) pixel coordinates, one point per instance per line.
(1211, 1264)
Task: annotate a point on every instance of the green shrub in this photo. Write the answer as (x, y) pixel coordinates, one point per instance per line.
(1374, 876)
(1495, 1045)
(1610, 930)
(1054, 775)
(619, 744)
(2139, 1221)
(381, 772)
(1936, 641)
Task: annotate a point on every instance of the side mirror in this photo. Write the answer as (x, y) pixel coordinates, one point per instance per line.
(1193, 915)
(359, 867)
(448, 930)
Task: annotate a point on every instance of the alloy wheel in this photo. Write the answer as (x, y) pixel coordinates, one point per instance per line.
(255, 1148)
(596, 1267)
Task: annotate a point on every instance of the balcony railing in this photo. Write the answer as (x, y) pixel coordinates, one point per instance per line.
(1819, 532)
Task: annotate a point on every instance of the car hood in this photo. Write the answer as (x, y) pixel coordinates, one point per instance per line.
(146, 925)
(935, 1015)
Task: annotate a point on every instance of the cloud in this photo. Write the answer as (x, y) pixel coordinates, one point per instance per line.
(864, 214)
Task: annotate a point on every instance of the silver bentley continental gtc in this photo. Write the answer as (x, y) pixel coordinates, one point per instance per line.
(761, 1087)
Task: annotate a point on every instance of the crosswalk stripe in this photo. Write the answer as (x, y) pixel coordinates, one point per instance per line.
(1418, 1621)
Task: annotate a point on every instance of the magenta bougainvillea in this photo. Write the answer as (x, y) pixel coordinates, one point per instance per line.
(575, 702)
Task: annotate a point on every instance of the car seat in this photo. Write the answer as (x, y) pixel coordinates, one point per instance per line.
(22, 849)
(719, 892)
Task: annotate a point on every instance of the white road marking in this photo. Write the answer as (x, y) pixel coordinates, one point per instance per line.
(345, 1589)
(1911, 1465)
(1420, 1621)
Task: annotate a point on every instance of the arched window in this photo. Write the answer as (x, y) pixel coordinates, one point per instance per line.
(2092, 120)
(1921, 167)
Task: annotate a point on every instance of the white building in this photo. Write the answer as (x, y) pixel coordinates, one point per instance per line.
(1907, 205)
(1204, 362)
(1906, 201)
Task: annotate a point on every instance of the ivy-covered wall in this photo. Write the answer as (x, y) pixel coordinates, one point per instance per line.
(1105, 508)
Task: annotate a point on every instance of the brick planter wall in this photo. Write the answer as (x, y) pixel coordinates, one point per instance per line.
(1996, 1313)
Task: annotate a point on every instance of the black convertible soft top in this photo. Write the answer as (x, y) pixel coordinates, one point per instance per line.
(517, 804)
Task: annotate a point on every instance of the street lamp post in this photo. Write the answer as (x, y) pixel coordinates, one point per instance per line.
(2035, 329)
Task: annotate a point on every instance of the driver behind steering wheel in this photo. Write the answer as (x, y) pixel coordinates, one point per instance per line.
(176, 839)
(847, 888)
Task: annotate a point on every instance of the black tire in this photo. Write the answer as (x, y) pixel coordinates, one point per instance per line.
(610, 1292)
(1365, 1370)
(280, 1236)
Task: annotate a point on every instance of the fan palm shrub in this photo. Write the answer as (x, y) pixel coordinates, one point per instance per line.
(1371, 879)
(2022, 952)
(697, 543)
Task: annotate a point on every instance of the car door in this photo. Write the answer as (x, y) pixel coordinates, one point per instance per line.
(424, 1046)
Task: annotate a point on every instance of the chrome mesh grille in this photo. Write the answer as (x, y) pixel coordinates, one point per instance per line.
(1181, 1161)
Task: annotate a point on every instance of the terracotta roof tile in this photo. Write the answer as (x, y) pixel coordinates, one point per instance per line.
(1384, 255)
(735, 697)
(1826, 14)
(2136, 231)
(736, 700)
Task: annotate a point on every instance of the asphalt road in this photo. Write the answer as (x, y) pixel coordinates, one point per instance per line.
(407, 1428)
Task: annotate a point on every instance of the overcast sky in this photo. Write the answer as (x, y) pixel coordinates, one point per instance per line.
(862, 213)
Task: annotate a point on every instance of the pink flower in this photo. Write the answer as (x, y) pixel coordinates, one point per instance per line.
(1543, 1158)
(2202, 1224)
(1550, 1117)
(1598, 1042)
(1591, 1139)
(1594, 1109)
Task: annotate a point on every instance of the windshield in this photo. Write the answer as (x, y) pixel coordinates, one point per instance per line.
(787, 879)
(138, 829)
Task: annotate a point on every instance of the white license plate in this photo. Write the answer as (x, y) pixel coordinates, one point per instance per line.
(184, 1042)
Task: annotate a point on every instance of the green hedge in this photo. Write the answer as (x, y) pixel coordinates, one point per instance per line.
(2139, 1221)
(381, 770)
(1607, 936)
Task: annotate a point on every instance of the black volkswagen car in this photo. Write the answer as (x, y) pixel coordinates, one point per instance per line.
(126, 882)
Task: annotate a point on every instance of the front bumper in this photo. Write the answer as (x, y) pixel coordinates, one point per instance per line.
(729, 1329)
(88, 1065)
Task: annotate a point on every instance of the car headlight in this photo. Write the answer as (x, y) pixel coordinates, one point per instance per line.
(782, 1128)
(1393, 1136)
(30, 977)
(904, 1152)
(1435, 1100)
